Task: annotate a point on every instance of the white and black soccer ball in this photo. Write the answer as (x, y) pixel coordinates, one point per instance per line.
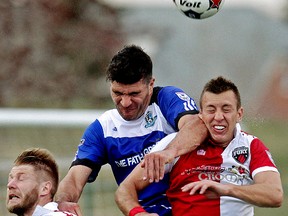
(199, 9)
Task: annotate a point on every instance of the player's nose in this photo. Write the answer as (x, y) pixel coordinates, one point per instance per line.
(126, 100)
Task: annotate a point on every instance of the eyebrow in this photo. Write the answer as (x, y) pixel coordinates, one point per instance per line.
(130, 93)
(16, 174)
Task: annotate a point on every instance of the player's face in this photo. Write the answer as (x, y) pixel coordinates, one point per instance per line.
(22, 190)
(131, 100)
(220, 114)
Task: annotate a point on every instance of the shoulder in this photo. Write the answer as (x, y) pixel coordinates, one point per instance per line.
(243, 136)
(50, 209)
(104, 120)
(170, 95)
(108, 115)
(167, 89)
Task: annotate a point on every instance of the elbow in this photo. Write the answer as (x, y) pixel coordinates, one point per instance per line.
(120, 195)
(277, 199)
(122, 200)
(276, 203)
(117, 196)
(118, 201)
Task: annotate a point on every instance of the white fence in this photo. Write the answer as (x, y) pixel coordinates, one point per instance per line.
(46, 117)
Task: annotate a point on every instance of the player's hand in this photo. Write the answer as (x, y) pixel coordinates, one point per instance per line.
(210, 189)
(71, 207)
(154, 165)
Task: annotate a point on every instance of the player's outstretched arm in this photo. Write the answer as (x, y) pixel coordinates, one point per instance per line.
(126, 194)
(70, 189)
(265, 192)
(192, 132)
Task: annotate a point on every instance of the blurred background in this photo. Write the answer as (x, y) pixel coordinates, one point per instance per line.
(53, 56)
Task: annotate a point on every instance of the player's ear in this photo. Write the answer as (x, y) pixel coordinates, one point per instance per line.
(200, 114)
(151, 84)
(45, 188)
(240, 114)
(152, 81)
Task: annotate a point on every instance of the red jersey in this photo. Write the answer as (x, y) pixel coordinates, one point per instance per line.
(237, 164)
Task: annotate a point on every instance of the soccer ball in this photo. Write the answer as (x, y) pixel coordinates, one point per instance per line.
(199, 9)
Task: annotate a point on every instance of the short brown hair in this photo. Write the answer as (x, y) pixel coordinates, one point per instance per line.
(220, 85)
(41, 160)
(130, 65)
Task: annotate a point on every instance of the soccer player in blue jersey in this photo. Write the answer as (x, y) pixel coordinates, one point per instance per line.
(144, 114)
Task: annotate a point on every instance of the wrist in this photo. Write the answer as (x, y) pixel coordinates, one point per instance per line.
(171, 153)
(136, 210)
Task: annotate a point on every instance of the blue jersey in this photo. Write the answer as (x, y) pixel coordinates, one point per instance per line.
(123, 144)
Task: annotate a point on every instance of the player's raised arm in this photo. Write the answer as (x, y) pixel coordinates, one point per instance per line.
(70, 189)
(192, 132)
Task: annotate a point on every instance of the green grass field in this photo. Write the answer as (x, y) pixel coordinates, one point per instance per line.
(98, 197)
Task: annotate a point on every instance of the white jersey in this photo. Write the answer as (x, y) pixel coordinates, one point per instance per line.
(50, 209)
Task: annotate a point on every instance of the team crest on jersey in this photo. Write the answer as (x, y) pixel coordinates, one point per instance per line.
(150, 119)
(183, 96)
(240, 154)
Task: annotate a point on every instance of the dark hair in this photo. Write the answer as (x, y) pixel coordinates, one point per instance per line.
(129, 66)
(220, 85)
(41, 160)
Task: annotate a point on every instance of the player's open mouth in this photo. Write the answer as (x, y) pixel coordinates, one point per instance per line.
(219, 127)
(13, 196)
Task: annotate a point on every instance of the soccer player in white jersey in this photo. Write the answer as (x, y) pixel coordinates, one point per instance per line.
(32, 184)
(121, 137)
(226, 175)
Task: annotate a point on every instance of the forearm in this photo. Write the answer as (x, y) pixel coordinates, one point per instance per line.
(192, 132)
(126, 198)
(262, 195)
(126, 195)
(265, 192)
(68, 192)
(71, 187)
